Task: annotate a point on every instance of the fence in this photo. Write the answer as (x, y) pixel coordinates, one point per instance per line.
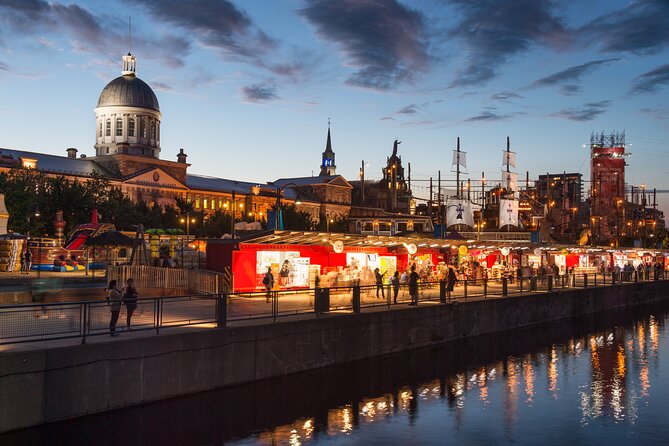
(188, 280)
(20, 323)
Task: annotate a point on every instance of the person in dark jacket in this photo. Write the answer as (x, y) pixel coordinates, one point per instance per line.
(395, 281)
(379, 283)
(130, 300)
(413, 285)
(114, 301)
(451, 278)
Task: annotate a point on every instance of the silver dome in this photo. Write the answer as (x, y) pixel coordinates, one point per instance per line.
(128, 91)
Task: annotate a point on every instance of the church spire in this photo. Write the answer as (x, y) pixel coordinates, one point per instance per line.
(328, 166)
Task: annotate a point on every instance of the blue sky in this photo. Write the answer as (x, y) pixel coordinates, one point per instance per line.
(247, 87)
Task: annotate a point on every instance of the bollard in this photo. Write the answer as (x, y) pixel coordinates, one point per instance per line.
(613, 278)
(595, 279)
(550, 283)
(356, 299)
(504, 286)
(389, 295)
(465, 288)
(442, 291)
(221, 310)
(585, 280)
(485, 287)
(533, 283)
(636, 276)
(520, 283)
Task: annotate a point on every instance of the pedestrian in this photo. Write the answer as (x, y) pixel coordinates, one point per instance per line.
(395, 281)
(413, 285)
(283, 273)
(268, 281)
(114, 301)
(379, 282)
(451, 278)
(129, 300)
(28, 260)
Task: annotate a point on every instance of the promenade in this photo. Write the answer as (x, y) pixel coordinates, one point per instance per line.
(83, 320)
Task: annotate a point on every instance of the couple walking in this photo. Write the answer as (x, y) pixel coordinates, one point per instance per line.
(126, 296)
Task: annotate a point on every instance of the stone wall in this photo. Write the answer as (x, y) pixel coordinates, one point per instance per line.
(45, 385)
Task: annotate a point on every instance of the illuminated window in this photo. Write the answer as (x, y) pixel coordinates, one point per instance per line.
(197, 203)
(108, 128)
(131, 127)
(119, 127)
(204, 201)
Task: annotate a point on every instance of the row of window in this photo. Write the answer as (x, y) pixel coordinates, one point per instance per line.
(153, 128)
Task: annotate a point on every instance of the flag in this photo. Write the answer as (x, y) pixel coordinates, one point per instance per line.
(509, 159)
(510, 180)
(508, 213)
(459, 212)
(459, 158)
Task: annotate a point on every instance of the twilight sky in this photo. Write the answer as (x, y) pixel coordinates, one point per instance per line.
(247, 87)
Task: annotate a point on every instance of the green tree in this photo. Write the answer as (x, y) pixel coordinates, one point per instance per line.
(296, 219)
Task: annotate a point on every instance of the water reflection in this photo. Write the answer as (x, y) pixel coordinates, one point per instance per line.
(571, 380)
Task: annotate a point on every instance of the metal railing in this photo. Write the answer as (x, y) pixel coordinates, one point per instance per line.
(48, 321)
(191, 281)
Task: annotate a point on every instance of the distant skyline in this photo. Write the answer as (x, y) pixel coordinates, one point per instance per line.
(246, 88)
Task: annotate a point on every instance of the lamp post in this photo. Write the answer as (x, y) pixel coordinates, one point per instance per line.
(327, 224)
(277, 215)
(187, 221)
(35, 214)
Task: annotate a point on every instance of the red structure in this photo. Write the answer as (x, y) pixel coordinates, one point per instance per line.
(607, 182)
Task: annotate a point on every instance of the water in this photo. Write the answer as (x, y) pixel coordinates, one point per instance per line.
(598, 380)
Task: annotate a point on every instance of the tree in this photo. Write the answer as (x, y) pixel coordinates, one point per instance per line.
(296, 219)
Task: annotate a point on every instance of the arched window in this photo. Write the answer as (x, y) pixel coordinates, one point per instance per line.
(119, 127)
(131, 127)
(100, 131)
(142, 128)
(108, 128)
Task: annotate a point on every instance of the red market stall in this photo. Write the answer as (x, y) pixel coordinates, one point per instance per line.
(297, 257)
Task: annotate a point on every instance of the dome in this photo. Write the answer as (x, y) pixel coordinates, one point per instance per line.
(128, 91)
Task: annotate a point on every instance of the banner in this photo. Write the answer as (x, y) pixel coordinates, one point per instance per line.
(509, 159)
(459, 212)
(459, 158)
(510, 180)
(508, 213)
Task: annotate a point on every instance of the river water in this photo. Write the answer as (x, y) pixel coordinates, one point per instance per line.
(603, 379)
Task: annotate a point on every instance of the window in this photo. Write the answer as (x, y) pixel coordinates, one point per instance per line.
(131, 127)
(205, 203)
(368, 226)
(158, 131)
(197, 203)
(100, 131)
(142, 128)
(119, 127)
(108, 128)
(153, 130)
(213, 203)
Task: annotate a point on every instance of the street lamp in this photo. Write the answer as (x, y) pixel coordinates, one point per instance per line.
(187, 221)
(277, 215)
(327, 224)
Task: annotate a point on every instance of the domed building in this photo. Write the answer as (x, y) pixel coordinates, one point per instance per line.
(128, 116)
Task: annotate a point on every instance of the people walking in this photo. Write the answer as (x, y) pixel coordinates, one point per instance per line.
(129, 300)
(395, 281)
(413, 285)
(379, 283)
(268, 282)
(451, 278)
(114, 301)
(27, 260)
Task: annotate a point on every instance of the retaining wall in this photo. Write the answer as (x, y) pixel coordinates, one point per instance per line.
(40, 386)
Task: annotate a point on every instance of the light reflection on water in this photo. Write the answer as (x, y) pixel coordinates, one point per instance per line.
(574, 382)
(587, 388)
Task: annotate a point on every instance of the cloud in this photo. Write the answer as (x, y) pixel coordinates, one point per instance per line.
(259, 93)
(639, 27)
(494, 32)
(385, 41)
(5, 67)
(587, 112)
(408, 110)
(161, 86)
(570, 78)
(651, 81)
(87, 32)
(656, 112)
(505, 96)
(492, 114)
(215, 23)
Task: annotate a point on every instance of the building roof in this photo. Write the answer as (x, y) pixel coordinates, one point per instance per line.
(128, 91)
(58, 164)
(219, 184)
(306, 181)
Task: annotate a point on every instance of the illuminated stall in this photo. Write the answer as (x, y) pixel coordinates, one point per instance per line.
(295, 258)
